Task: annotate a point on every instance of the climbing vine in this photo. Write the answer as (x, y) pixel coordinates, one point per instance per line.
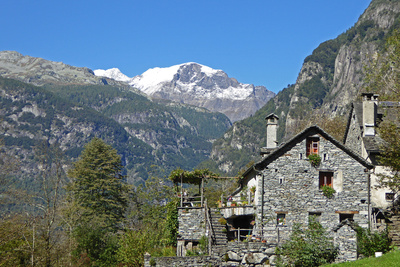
(191, 177)
(171, 225)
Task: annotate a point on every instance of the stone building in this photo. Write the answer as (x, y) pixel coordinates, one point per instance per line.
(289, 187)
(362, 136)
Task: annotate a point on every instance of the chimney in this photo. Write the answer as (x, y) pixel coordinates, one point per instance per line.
(369, 113)
(272, 125)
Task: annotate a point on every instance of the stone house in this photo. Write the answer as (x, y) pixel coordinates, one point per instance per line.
(362, 137)
(289, 187)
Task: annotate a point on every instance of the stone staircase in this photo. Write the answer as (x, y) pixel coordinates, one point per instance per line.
(394, 229)
(219, 247)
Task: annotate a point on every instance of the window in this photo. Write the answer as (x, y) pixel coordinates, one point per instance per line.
(344, 216)
(325, 178)
(315, 215)
(312, 145)
(281, 219)
(389, 196)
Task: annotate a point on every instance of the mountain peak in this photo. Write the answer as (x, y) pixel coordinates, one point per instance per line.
(113, 73)
(198, 85)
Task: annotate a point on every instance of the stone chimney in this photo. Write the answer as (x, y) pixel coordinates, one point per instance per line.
(369, 113)
(272, 125)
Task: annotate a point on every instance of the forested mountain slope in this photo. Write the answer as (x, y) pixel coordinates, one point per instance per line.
(145, 133)
(330, 79)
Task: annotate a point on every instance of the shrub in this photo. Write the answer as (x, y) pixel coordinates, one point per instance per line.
(368, 243)
(203, 244)
(307, 247)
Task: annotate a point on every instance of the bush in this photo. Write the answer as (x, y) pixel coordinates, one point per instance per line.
(307, 247)
(368, 243)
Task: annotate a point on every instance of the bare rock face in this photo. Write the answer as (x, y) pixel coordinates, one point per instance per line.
(201, 86)
(344, 78)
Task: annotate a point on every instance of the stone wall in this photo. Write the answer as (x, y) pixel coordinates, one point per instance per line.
(192, 223)
(199, 261)
(345, 237)
(238, 254)
(239, 210)
(250, 254)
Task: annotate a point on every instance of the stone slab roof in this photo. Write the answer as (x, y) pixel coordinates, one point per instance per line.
(373, 143)
(387, 110)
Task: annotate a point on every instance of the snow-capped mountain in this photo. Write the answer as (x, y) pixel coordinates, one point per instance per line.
(198, 85)
(113, 73)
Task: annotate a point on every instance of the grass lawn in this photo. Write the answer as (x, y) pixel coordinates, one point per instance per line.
(391, 259)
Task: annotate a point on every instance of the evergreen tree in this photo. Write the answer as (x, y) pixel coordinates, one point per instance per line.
(98, 188)
(99, 201)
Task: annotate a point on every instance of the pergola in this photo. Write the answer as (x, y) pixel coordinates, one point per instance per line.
(195, 177)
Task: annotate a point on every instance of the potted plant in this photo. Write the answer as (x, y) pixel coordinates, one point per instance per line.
(234, 204)
(253, 189)
(315, 159)
(328, 191)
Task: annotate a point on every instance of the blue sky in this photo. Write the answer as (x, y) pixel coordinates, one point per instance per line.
(262, 42)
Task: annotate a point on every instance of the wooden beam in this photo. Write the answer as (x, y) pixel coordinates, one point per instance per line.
(347, 211)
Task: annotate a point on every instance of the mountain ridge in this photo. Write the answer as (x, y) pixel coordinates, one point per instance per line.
(198, 85)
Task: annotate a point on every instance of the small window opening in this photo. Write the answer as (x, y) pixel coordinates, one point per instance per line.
(325, 157)
(389, 196)
(344, 216)
(312, 145)
(315, 215)
(301, 156)
(281, 219)
(280, 180)
(325, 178)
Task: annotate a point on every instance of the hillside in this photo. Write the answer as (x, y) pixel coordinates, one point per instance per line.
(330, 79)
(145, 133)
